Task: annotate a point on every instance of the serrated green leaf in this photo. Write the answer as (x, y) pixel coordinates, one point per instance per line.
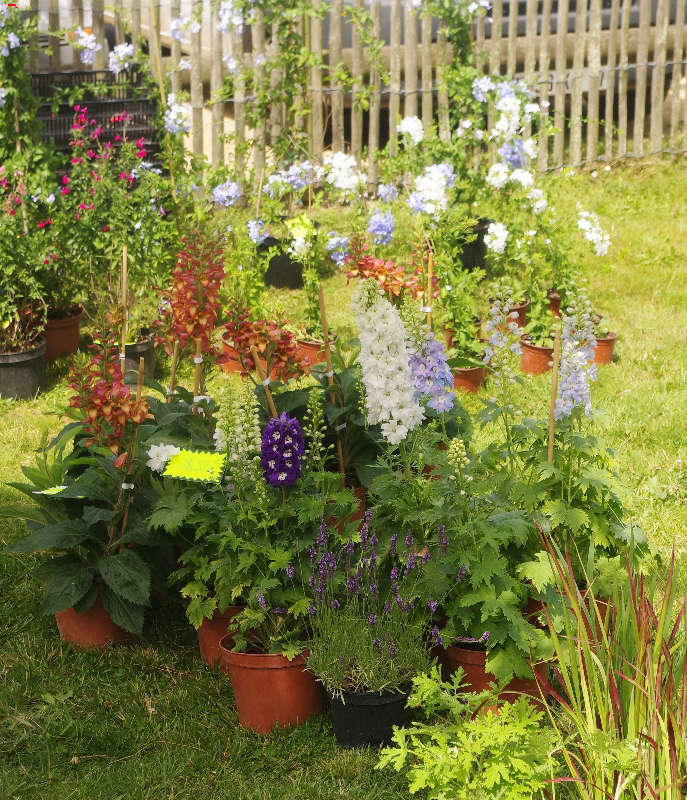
(60, 536)
(561, 513)
(68, 580)
(170, 512)
(94, 516)
(128, 575)
(127, 615)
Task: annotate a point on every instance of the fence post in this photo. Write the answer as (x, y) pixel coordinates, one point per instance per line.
(610, 80)
(216, 80)
(442, 97)
(677, 71)
(410, 61)
(135, 24)
(544, 57)
(594, 70)
(395, 62)
(356, 107)
(622, 79)
(175, 13)
(316, 114)
(375, 104)
(640, 86)
(196, 86)
(578, 68)
(426, 66)
(335, 24)
(560, 67)
(258, 41)
(658, 76)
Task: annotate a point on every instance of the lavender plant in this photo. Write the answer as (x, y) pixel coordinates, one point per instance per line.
(370, 612)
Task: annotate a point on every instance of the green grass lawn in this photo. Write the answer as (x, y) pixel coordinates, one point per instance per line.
(151, 721)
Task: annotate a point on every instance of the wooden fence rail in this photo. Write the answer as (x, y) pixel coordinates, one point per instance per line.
(614, 79)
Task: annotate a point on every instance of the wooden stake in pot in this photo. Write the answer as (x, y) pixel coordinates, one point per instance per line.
(265, 382)
(198, 361)
(125, 288)
(139, 383)
(330, 378)
(554, 390)
(173, 374)
(428, 306)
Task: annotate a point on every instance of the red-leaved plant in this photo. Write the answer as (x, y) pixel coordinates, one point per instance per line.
(106, 403)
(621, 684)
(189, 308)
(277, 346)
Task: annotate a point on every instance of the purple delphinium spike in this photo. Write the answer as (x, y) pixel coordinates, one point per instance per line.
(281, 450)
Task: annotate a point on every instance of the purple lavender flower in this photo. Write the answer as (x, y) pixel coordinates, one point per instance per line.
(313, 554)
(437, 638)
(336, 605)
(373, 589)
(279, 612)
(261, 600)
(394, 577)
(281, 450)
(311, 581)
(312, 610)
(353, 586)
(290, 571)
(432, 376)
(484, 638)
(461, 573)
(442, 538)
(410, 564)
(392, 549)
(322, 535)
(350, 547)
(392, 649)
(372, 619)
(409, 539)
(337, 247)
(376, 642)
(432, 605)
(387, 607)
(381, 226)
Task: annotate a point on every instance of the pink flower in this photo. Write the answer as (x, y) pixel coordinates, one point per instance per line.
(140, 142)
(78, 216)
(91, 154)
(82, 206)
(65, 180)
(65, 190)
(163, 212)
(122, 175)
(117, 137)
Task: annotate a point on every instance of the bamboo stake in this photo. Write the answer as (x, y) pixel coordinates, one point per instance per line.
(554, 390)
(198, 361)
(330, 379)
(125, 287)
(173, 375)
(139, 384)
(430, 267)
(265, 382)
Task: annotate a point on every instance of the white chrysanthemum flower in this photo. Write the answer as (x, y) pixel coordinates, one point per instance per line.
(159, 455)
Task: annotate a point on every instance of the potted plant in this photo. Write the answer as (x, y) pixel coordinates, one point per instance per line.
(25, 245)
(537, 340)
(605, 341)
(369, 621)
(89, 513)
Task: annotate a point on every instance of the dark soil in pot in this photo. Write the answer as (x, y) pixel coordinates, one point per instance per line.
(283, 272)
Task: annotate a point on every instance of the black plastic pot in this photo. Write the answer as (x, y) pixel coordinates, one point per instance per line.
(367, 718)
(145, 348)
(475, 251)
(283, 272)
(21, 374)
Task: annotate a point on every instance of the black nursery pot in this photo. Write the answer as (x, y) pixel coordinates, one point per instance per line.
(475, 251)
(283, 272)
(146, 348)
(367, 718)
(21, 374)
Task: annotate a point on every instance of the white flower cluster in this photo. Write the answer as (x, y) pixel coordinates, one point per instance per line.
(431, 189)
(175, 120)
(499, 175)
(181, 24)
(588, 223)
(413, 128)
(384, 363)
(120, 58)
(342, 173)
(496, 237)
(539, 201)
(159, 455)
(238, 431)
(229, 17)
(480, 5)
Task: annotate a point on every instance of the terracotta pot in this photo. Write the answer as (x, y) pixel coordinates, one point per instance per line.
(62, 335)
(448, 333)
(91, 630)
(603, 352)
(554, 302)
(21, 374)
(534, 360)
(469, 379)
(477, 679)
(312, 352)
(212, 631)
(270, 690)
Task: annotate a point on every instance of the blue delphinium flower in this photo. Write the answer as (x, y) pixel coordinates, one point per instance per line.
(281, 450)
(381, 226)
(513, 153)
(337, 247)
(432, 376)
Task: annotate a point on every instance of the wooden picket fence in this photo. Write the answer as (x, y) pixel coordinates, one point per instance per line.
(614, 79)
